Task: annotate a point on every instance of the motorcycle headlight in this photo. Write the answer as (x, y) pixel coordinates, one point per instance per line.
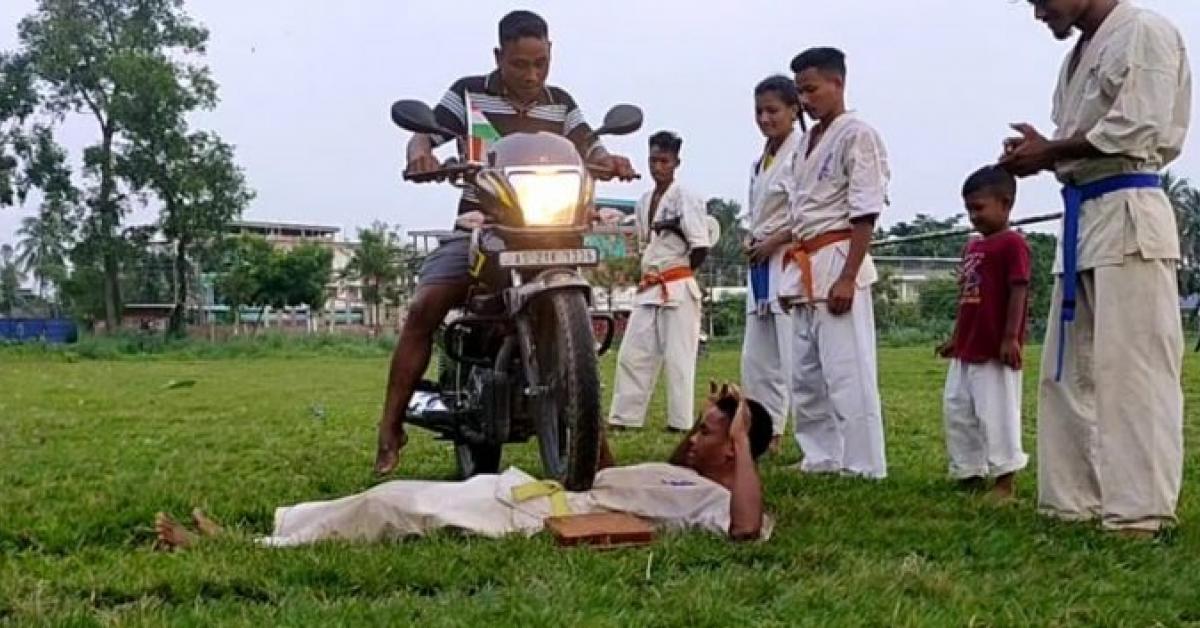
(548, 198)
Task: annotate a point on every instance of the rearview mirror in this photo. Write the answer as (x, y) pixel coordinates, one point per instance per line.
(621, 120)
(416, 116)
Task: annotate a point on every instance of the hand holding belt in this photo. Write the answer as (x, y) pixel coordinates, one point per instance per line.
(652, 278)
(801, 253)
(1074, 196)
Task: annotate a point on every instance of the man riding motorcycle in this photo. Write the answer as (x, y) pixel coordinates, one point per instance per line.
(514, 98)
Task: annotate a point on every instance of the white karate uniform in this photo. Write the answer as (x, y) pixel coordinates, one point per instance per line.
(835, 394)
(767, 343)
(670, 497)
(1110, 434)
(663, 330)
(981, 405)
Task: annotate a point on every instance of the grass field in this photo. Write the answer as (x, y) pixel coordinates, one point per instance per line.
(91, 449)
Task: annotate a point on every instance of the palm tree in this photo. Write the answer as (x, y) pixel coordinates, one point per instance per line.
(42, 251)
(376, 264)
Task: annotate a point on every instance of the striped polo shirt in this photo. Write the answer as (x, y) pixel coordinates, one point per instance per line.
(554, 111)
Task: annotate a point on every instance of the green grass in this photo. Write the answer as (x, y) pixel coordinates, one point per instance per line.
(91, 449)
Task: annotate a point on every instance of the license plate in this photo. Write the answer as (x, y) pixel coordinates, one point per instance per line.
(560, 257)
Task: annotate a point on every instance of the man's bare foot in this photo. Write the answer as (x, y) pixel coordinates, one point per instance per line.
(1005, 488)
(171, 534)
(971, 484)
(206, 526)
(391, 441)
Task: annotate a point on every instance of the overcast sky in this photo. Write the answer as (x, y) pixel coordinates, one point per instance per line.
(306, 86)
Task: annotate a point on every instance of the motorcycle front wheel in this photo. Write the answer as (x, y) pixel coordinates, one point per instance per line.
(569, 427)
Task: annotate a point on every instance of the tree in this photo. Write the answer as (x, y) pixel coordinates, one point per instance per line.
(1042, 249)
(127, 65)
(46, 238)
(950, 246)
(201, 190)
(10, 280)
(1186, 200)
(17, 102)
(244, 261)
(377, 264)
(726, 263)
(300, 277)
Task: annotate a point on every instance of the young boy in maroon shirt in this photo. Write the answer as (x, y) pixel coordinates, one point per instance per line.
(982, 400)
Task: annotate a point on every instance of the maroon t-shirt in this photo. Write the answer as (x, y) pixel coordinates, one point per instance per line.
(990, 267)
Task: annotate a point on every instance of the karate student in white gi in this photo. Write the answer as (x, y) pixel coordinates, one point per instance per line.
(767, 344)
(1110, 416)
(841, 175)
(664, 327)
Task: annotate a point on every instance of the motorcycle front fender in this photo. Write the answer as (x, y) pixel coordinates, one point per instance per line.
(517, 299)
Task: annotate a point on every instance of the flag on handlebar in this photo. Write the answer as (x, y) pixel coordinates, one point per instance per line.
(480, 132)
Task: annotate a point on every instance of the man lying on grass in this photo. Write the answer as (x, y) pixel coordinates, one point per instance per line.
(710, 483)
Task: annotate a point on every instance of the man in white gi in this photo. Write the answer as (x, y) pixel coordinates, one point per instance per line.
(711, 483)
(664, 326)
(767, 344)
(841, 175)
(1110, 417)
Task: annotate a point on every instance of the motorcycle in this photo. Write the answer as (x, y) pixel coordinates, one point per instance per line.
(519, 359)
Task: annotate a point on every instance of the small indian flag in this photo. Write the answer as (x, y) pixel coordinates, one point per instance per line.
(480, 132)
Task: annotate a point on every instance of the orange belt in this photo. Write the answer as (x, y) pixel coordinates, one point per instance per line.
(649, 280)
(802, 254)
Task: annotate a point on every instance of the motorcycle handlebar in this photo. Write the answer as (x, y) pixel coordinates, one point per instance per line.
(451, 171)
(600, 172)
(458, 170)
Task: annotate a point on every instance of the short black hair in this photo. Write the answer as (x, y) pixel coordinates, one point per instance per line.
(781, 86)
(520, 24)
(667, 141)
(991, 179)
(829, 60)
(761, 428)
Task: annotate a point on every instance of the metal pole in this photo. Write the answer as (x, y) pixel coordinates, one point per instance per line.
(963, 230)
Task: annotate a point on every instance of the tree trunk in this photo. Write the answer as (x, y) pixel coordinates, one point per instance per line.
(176, 327)
(108, 224)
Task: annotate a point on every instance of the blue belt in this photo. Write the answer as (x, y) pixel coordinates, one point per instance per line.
(760, 285)
(1074, 196)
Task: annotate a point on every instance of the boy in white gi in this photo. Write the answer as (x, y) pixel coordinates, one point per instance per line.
(767, 344)
(982, 400)
(841, 174)
(664, 326)
(1110, 412)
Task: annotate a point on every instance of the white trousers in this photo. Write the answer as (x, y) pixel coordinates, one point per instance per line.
(982, 410)
(835, 392)
(767, 364)
(658, 335)
(1110, 434)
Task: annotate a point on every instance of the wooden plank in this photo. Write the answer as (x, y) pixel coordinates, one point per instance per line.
(601, 530)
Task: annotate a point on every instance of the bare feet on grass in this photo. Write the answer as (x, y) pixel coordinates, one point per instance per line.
(171, 534)
(1004, 491)
(206, 526)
